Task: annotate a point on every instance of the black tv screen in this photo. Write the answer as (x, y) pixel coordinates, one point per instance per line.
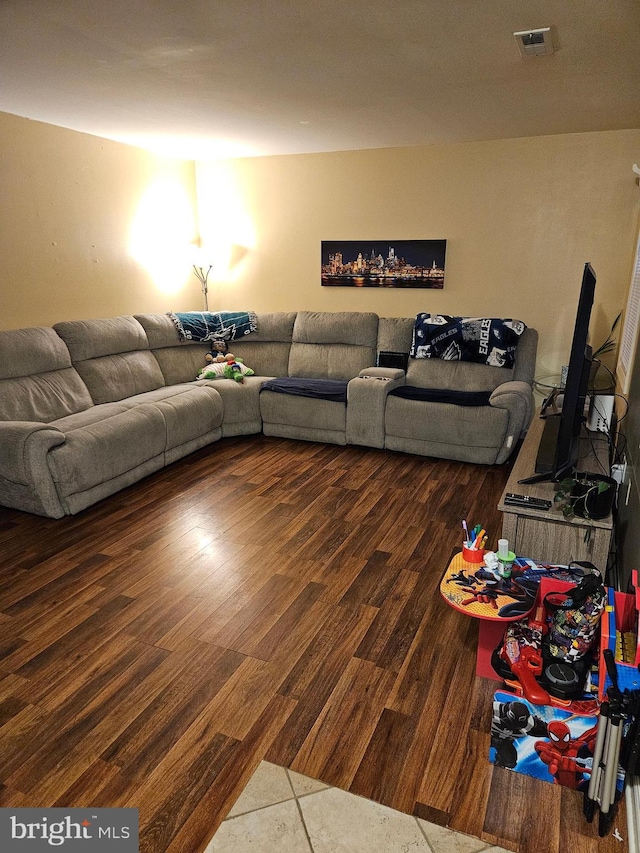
(559, 446)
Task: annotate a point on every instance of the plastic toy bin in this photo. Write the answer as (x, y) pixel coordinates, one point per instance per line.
(620, 617)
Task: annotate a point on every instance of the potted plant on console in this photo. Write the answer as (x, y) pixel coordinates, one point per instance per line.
(586, 495)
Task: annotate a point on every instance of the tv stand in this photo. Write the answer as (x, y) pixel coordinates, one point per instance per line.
(546, 535)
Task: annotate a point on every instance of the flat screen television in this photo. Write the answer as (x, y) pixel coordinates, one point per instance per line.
(559, 446)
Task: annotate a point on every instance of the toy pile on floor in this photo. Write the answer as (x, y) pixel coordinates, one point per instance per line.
(571, 711)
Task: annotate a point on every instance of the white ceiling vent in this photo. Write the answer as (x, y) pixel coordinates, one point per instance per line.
(534, 42)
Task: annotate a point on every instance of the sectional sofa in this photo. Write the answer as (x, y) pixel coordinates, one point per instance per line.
(89, 407)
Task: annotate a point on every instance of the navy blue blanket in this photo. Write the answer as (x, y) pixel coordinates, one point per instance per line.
(321, 389)
(484, 340)
(442, 395)
(214, 326)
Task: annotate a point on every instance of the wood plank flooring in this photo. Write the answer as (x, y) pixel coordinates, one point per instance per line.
(261, 599)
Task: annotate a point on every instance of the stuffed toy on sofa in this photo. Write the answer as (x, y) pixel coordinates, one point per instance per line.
(224, 367)
(217, 352)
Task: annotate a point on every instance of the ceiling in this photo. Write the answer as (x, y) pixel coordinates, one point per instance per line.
(219, 78)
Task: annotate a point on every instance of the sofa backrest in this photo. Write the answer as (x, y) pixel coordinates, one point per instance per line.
(524, 368)
(179, 361)
(112, 356)
(37, 380)
(396, 333)
(333, 345)
(266, 351)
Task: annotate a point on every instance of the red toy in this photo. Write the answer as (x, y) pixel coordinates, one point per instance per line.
(566, 757)
(522, 652)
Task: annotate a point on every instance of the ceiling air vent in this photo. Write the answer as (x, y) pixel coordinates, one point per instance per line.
(534, 42)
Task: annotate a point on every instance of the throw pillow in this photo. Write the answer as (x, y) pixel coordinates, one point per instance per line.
(484, 340)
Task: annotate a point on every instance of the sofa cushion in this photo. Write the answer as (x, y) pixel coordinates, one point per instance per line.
(333, 345)
(159, 394)
(161, 331)
(90, 416)
(241, 404)
(460, 375)
(116, 377)
(267, 351)
(442, 395)
(189, 411)
(320, 389)
(112, 356)
(113, 443)
(272, 326)
(307, 417)
(94, 338)
(37, 381)
(357, 328)
(407, 425)
(24, 352)
(395, 334)
(179, 361)
(483, 340)
(43, 397)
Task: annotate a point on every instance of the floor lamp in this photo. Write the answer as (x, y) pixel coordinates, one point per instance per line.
(202, 274)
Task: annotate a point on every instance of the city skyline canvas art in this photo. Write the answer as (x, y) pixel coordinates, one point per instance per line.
(383, 263)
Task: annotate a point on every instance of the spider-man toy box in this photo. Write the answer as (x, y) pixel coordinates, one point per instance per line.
(542, 741)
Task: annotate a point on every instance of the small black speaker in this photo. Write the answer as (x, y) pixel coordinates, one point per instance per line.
(399, 360)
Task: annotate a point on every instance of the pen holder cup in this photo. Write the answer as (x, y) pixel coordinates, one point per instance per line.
(472, 555)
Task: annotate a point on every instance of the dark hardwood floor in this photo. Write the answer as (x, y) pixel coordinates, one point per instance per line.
(261, 599)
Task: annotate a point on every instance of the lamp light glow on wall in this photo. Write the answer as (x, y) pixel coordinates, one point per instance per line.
(162, 233)
(227, 230)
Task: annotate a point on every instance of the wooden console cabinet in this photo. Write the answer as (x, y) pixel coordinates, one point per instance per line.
(548, 536)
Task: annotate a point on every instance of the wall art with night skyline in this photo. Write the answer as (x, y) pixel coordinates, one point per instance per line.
(383, 263)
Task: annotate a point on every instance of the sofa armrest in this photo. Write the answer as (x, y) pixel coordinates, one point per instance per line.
(517, 398)
(388, 374)
(26, 481)
(366, 401)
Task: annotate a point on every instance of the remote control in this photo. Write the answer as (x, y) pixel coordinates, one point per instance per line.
(527, 501)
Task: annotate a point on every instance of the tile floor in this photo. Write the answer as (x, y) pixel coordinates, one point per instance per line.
(282, 811)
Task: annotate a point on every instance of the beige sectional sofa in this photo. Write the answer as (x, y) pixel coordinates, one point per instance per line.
(89, 407)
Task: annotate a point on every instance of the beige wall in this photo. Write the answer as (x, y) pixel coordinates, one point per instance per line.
(520, 218)
(71, 205)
